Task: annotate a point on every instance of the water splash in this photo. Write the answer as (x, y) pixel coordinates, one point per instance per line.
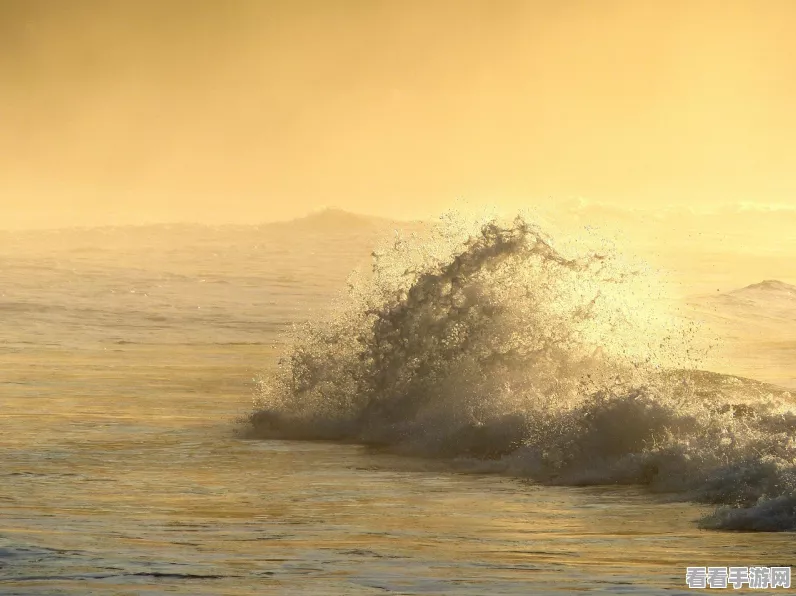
(486, 343)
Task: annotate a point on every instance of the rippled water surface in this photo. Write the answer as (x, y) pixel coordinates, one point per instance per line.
(123, 373)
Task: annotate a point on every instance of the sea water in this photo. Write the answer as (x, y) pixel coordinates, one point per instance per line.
(129, 358)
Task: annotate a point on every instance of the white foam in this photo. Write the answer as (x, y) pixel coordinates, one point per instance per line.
(489, 345)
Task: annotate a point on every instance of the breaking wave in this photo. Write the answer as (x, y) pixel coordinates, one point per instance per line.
(489, 345)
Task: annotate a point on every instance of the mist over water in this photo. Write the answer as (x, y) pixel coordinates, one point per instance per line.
(499, 349)
(127, 356)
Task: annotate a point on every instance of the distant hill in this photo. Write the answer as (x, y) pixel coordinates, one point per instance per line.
(360, 232)
(333, 218)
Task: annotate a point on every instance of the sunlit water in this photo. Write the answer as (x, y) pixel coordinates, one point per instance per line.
(123, 372)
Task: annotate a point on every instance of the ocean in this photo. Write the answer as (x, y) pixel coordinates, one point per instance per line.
(491, 417)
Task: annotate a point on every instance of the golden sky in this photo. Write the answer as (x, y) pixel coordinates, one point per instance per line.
(117, 111)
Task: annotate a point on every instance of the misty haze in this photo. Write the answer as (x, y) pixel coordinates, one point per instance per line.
(355, 297)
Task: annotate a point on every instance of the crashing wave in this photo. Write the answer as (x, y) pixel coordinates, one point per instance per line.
(487, 344)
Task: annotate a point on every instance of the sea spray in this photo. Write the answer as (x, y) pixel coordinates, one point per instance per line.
(485, 342)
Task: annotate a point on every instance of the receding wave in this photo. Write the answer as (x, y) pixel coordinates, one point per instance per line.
(492, 346)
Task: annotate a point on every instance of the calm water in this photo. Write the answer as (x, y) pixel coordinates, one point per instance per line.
(125, 361)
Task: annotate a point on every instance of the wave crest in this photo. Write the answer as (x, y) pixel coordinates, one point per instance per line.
(483, 342)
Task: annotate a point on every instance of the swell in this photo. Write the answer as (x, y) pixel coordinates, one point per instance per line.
(487, 344)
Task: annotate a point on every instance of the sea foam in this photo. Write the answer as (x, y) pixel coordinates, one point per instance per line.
(489, 345)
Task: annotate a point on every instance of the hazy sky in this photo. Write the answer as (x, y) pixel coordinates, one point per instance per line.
(138, 110)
